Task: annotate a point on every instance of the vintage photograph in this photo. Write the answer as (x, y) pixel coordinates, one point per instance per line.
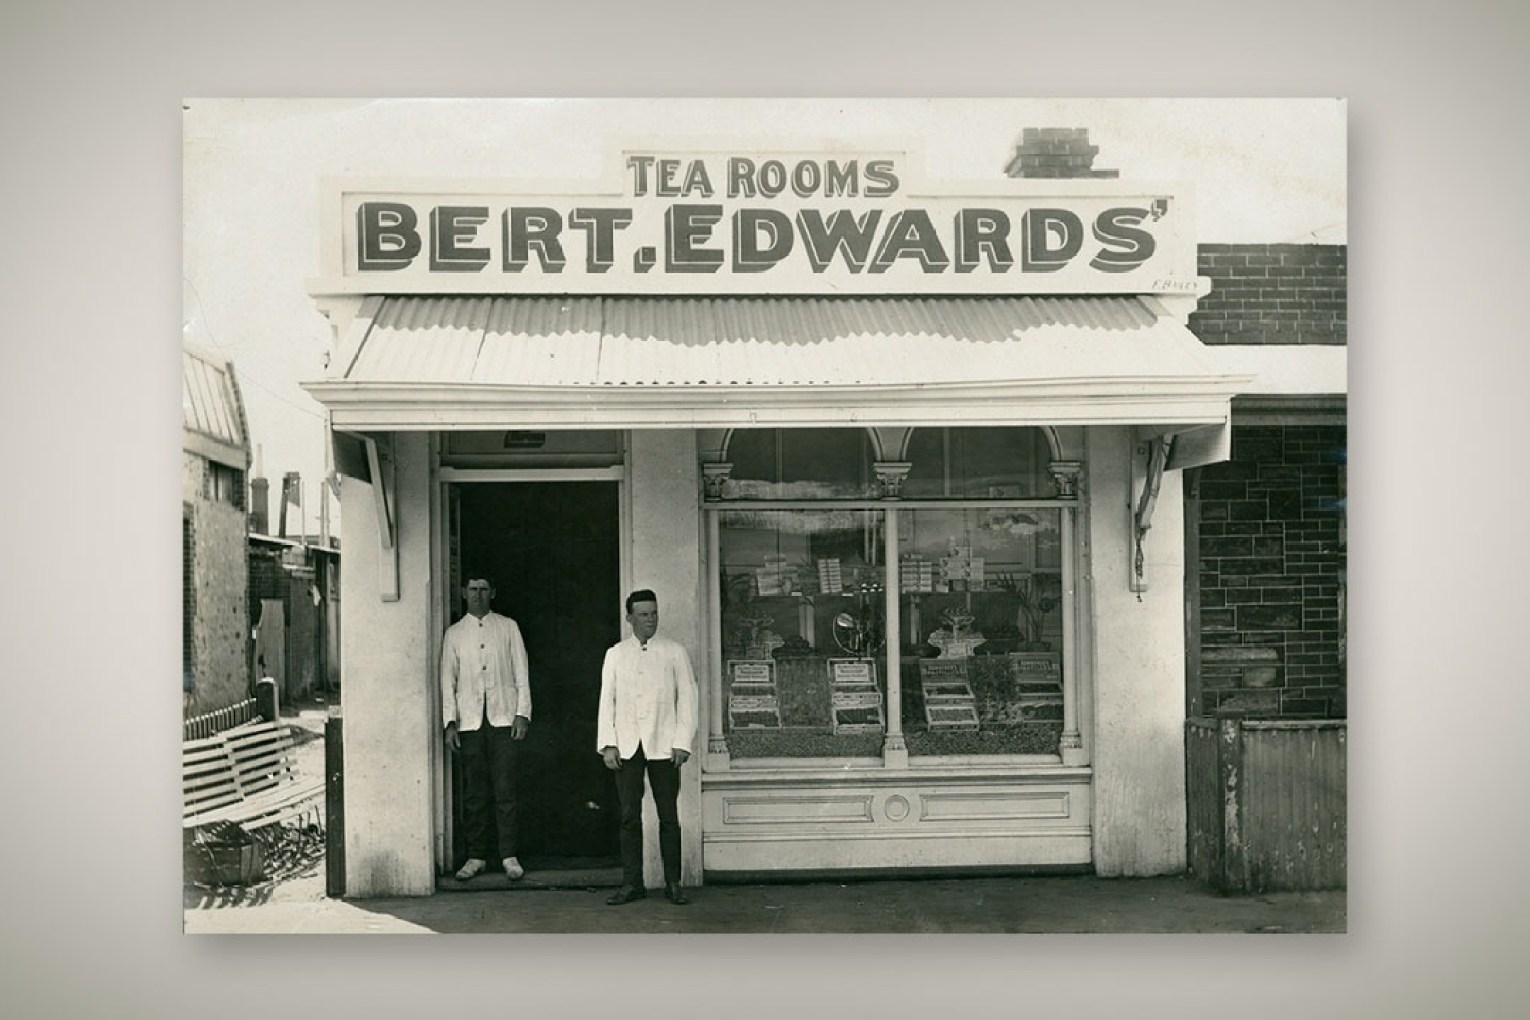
(762, 515)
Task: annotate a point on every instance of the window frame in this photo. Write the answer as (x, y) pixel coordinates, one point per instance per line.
(893, 737)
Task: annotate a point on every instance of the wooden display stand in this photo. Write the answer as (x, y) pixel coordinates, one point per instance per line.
(752, 700)
(948, 699)
(855, 701)
(1037, 676)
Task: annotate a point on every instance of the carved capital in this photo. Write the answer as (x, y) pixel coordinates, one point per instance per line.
(1067, 474)
(891, 475)
(713, 475)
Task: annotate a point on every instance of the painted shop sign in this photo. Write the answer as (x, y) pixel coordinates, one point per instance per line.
(750, 223)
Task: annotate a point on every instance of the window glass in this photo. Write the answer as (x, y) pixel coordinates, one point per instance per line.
(804, 657)
(799, 464)
(979, 603)
(979, 463)
(225, 485)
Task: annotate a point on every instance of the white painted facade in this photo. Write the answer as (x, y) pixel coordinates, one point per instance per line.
(1118, 809)
(1113, 802)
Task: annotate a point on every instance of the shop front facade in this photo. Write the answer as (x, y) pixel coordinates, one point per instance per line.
(900, 459)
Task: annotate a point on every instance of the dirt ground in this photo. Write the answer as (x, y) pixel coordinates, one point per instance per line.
(294, 860)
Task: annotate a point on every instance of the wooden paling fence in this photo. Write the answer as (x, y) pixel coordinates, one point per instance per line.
(212, 723)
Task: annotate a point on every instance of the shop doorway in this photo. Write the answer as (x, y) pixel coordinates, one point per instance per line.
(554, 552)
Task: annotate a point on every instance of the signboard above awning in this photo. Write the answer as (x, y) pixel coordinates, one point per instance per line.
(733, 222)
(434, 362)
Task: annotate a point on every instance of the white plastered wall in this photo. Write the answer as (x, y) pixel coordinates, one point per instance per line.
(1139, 675)
(389, 725)
(665, 522)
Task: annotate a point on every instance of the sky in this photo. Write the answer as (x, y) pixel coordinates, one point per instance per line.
(1269, 171)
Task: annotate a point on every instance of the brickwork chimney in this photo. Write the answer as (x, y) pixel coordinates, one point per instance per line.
(1056, 153)
(260, 506)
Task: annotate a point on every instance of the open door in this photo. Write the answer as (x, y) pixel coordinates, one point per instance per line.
(553, 550)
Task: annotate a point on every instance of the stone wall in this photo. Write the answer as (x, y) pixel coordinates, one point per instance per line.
(216, 580)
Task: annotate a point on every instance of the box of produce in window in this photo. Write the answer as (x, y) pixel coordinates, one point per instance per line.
(858, 718)
(753, 712)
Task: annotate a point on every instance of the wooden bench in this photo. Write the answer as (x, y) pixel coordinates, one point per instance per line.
(245, 775)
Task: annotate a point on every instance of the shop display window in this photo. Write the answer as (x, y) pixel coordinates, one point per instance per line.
(979, 602)
(800, 464)
(978, 589)
(804, 657)
(978, 463)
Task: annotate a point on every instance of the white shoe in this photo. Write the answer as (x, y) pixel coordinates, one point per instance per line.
(513, 869)
(473, 866)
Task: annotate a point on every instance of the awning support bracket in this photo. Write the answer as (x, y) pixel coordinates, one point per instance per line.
(1157, 451)
(380, 467)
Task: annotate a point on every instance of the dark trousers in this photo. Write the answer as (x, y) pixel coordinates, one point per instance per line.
(664, 777)
(488, 795)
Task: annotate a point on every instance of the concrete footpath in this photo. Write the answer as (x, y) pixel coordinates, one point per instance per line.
(1049, 904)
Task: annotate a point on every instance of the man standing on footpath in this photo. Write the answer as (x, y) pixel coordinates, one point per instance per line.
(486, 700)
(646, 724)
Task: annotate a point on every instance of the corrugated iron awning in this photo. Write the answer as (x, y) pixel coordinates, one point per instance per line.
(469, 362)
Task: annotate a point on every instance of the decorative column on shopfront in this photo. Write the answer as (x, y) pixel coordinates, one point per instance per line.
(713, 475)
(890, 476)
(1067, 473)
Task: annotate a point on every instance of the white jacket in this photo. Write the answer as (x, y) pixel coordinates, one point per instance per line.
(647, 698)
(483, 673)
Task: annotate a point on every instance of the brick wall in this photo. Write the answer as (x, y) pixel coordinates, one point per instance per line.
(1053, 152)
(1273, 294)
(1271, 575)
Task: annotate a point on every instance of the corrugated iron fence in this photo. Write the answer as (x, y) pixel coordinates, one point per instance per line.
(1267, 803)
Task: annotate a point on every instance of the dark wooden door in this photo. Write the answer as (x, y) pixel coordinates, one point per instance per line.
(553, 550)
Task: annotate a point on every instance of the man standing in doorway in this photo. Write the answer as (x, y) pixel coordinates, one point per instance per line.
(646, 724)
(486, 700)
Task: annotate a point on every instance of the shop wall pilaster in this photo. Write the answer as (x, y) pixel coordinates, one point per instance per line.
(1139, 772)
(390, 718)
(666, 556)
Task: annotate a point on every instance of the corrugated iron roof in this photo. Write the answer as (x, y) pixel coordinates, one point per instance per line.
(210, 403)
(768, 341)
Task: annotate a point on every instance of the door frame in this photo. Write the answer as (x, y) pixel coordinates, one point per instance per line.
(440, 598)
